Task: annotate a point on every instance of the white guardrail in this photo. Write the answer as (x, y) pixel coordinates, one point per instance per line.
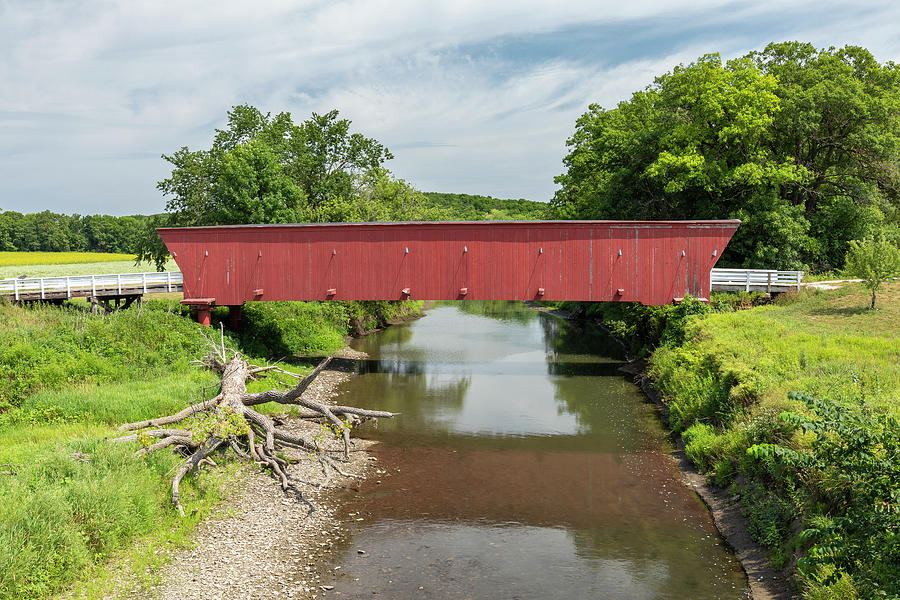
(754, 279)
(171, 281)
(91, 285)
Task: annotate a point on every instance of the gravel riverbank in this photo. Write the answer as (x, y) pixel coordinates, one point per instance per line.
(264, 543)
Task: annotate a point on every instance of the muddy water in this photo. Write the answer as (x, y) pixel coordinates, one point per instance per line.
(524, 465)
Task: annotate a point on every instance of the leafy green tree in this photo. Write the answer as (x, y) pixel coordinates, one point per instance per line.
(265, 169)
(470, 207)
(874, 260)
(377, 196)
(801, 145)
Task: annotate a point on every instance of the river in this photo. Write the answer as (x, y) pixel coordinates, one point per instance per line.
(524, 465)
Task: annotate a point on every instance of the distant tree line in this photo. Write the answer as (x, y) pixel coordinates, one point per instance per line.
(52, 232)
(469, 207)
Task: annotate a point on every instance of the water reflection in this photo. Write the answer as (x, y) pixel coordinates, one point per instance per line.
(523, 465)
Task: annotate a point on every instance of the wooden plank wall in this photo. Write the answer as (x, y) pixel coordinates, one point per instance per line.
(648, 262)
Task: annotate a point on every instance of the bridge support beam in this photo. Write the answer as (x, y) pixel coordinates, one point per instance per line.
(203, 306)
(109, 304)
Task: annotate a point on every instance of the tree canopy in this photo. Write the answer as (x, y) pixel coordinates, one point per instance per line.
(802, 145)
(268, 169)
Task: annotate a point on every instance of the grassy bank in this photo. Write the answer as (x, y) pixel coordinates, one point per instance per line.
(67, 378)
(69, 500)
(793, 405)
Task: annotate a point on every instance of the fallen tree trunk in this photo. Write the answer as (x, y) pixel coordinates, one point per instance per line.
(227, 421)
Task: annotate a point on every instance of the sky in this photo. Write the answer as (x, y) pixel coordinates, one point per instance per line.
(471, 97)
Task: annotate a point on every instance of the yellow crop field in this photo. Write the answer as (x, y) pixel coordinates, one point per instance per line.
(59, 264)
(12, 259)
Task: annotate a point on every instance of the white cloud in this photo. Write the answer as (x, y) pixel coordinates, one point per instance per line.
(90, 92)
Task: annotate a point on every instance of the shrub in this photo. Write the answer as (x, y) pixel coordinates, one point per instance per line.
(46, 347)
(293, 328)
(851, 465)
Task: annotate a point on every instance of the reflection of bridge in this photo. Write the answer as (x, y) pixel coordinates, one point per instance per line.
(653, 262)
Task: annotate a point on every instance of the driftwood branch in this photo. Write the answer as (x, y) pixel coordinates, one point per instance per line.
(227, 421)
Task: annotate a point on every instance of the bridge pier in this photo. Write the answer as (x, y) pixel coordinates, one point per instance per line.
(204, 316)
(203, 306)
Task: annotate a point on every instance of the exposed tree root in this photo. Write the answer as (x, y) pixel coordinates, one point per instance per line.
(227, 421)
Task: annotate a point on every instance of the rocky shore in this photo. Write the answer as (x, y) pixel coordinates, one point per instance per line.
(264, 543)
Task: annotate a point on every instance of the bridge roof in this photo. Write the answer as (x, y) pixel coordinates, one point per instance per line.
(509, 223)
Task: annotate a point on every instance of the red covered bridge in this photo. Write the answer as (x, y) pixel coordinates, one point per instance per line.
(652, 262)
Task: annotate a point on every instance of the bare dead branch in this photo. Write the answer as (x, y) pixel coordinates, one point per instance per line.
(234, 419)
(179, 416)
(195, 458)
(289, 396)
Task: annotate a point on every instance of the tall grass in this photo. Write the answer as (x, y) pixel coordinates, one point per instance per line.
(825, 344)
(61, 512)
(66, 379)
(50, 347)
(728, 382)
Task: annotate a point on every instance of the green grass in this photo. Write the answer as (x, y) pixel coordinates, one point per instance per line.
(825, 344)
(60, 516)
(52, 347)
(102, 267)
(67, 378)
(727, 383)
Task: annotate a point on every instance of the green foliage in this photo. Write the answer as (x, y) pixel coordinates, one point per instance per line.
(800, 144)
(278, 329)
(829, 468)
(641, 328)
(828, 584)
(851, 465)
(699, 440)
(46, 347)
(380, 197)
(60, 515)
(874, 261)
(468, 207)
(51, 232)
(293, 328)
(768, 516)
(222, 424)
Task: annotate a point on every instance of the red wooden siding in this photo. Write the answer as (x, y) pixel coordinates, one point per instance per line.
(509, 260)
